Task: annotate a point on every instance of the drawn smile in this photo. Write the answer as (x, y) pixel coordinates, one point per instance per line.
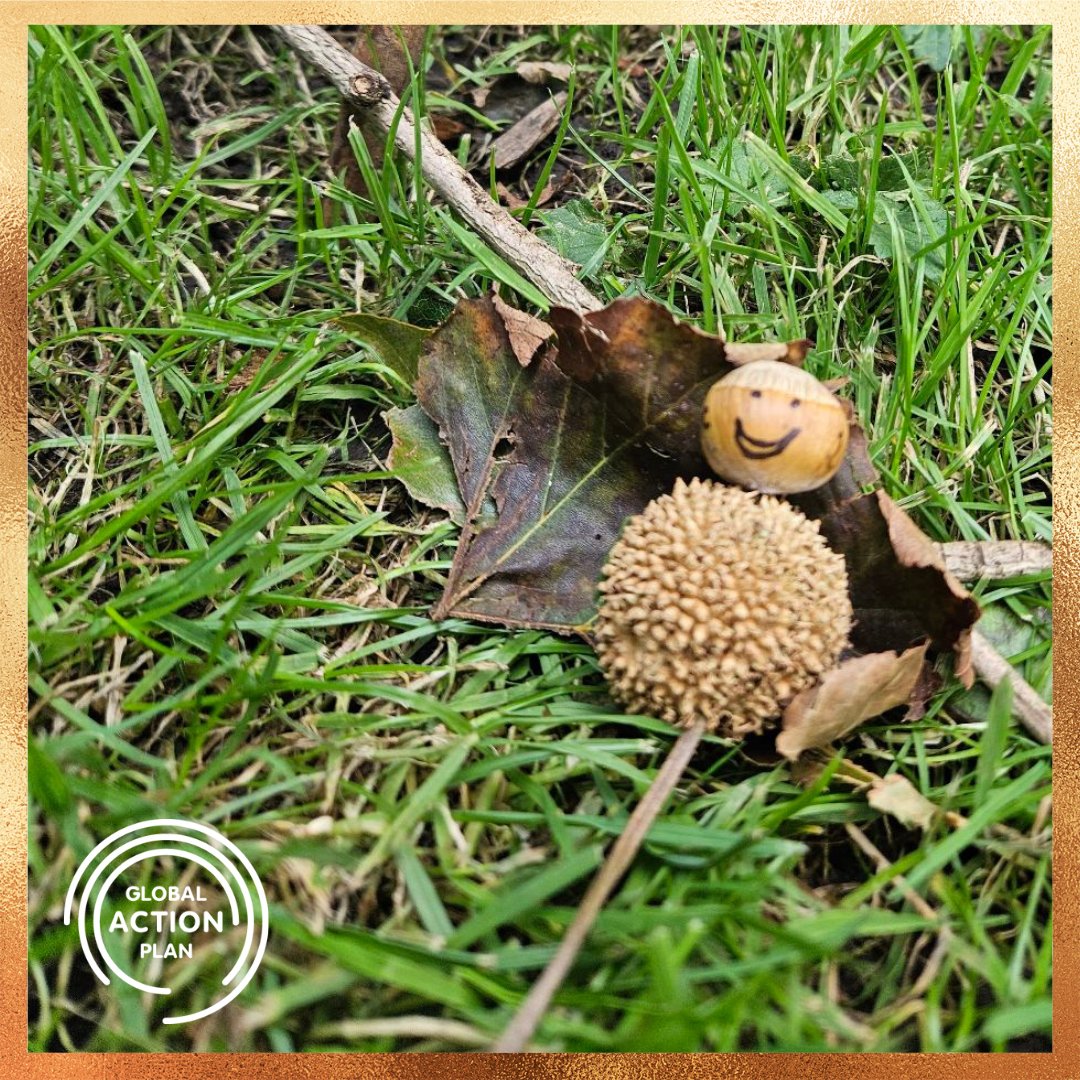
(759, 449)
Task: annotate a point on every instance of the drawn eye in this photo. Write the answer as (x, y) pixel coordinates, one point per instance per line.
(795, 403)
(755, 393)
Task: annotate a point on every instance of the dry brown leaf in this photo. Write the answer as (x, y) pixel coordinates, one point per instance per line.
(527, 333)
(897, 796)
(246, 375)
(915, 549)
(553, 187)
(515, 202)
(542, 71)
(446, 128)
(851, 693)
(899, 586)
(532, 129)
(787, 352)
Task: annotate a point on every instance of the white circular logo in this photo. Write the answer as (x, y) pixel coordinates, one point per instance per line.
(167, 917)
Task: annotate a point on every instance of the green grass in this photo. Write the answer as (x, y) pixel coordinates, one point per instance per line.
(230, 595)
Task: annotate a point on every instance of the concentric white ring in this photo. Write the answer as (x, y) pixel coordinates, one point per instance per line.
(108, 851)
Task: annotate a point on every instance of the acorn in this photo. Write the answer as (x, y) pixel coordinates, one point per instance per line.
(773, 427)
(718, 606)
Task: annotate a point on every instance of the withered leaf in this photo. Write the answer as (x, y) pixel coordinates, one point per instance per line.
(900, 589)
(568, 447)
(952, 617)
(896, 795)
(651, 372)
(532, 129)
(845, 697)
(527, 333)
(562, 474)
(541, 71)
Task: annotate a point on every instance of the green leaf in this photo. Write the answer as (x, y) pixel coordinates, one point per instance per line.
(576, 231)
(419, 803)
(747, 167)
(422, 892)
(930, 45)
(420, 461)
(397, 344)
(798, 185)
(181, 504)
(920, 225)
(844, 200)
(497, 266)
(848, 174)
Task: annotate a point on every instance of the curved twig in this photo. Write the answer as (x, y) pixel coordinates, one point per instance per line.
(527, 1018)
(382, 112)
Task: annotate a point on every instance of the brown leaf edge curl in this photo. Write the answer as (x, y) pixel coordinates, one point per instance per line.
(854, 691)
(906, 602)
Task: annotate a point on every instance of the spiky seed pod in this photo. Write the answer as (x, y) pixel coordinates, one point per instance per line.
(719, 605)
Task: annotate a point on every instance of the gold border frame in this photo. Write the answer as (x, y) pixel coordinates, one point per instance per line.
(1063, 1062)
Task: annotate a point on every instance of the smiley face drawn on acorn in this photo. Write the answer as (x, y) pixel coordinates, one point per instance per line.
(773, 427)
(760, 449)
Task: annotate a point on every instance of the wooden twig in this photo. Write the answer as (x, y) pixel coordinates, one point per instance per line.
(357, 83)
(996, 560)
(535, 126)
(521, 1028)
(882, 863)
(1028, 707)
(382, 112)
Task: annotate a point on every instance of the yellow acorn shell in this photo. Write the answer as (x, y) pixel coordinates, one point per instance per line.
(773, 427)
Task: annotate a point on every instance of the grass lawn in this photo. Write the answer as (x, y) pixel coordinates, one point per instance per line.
(230, 595)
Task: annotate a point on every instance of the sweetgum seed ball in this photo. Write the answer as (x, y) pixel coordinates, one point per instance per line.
(773, 427)
(719, 605)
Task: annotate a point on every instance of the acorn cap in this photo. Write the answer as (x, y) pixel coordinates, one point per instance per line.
(719, 605)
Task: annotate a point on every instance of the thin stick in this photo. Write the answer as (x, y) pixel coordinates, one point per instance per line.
(996, 560)
(360, 85)
(382, 113)
(1028, 707)
(521, 1028)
